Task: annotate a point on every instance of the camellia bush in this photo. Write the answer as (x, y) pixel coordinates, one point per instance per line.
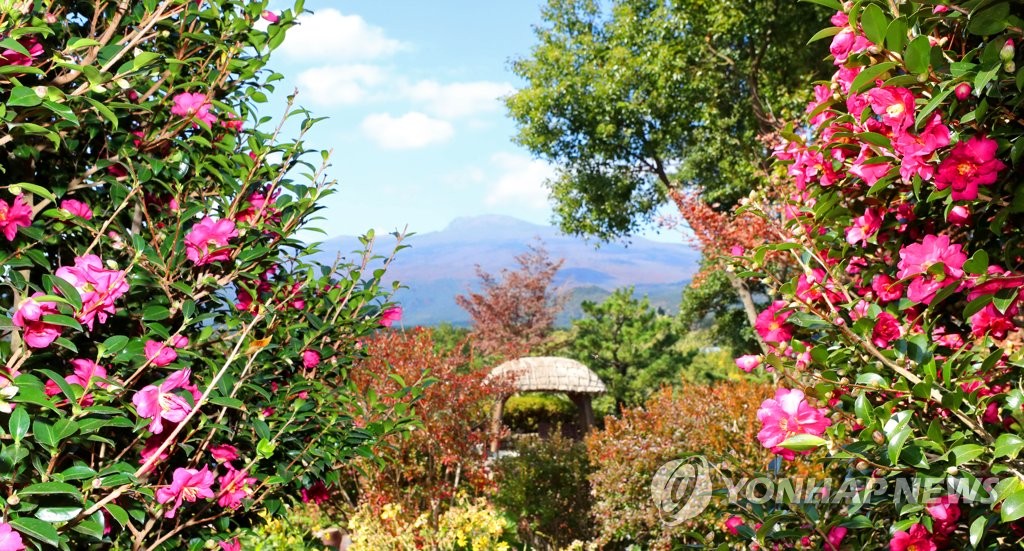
(174, 364)
(899, 346)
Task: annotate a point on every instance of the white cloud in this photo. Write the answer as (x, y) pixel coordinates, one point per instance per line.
(330, 35)
(339, 84)
(522, 180)
(458, 99)
(410, 131)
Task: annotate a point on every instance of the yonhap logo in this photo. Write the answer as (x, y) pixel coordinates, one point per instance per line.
(681, 489)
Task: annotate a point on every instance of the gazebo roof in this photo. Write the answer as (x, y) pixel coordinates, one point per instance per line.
(551, 374)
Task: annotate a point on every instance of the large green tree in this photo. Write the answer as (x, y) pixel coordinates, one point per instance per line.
(630, 345)
(634, 100)
(631, 99)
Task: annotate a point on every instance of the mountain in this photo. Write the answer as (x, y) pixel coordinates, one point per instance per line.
(440, 265)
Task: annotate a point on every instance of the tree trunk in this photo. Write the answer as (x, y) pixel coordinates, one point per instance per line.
(748, 305)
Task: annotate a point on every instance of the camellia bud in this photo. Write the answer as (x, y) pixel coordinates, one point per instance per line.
(959, 215)
(50, 18)
(861, 465)
(1010, 67)
(962, 91)
(13, 500)
(1007, 51)
(878, 437)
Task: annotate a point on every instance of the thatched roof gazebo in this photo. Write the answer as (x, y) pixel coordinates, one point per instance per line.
(548, 374)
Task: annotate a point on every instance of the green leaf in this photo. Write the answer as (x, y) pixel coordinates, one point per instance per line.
(36, 529)
(1008, 445)
(115, 344)
(62, 320)
(875, 23)
(918, 55)
(118, 514)
(57, 514)
(23, 96)
(978, 263)
(38, 191)
(227, 402)
(19, 423)
(803, 442)
(830, 4)
(977, 532)
(155, 313)
(966, 452)
(265, 448)
(68, 290)
(824, 33)
(1013, 507)
(43, 434)
(869, 75)
(51, 488)
(990, 20)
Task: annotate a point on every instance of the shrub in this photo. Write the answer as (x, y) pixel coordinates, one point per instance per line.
(173, 361)
(468, 525)
(545, 487)
(717, 422)
(448, 453)
(900, 340)
(528, 412)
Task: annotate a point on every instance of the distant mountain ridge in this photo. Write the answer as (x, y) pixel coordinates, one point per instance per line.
(440, 265)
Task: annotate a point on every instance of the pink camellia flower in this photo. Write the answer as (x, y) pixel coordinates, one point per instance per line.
(847, 42)
(822, 95)
(887, 329)
(194, 106)
(945, 511)
(178, 341)
(160, 403)
(14, 215)
(224, 452)
(12, 57)
(917, 149)
(270, 16)
(894, 105)
(737, 250)
(87, 373)
(917, 260)
(940, 9)
(234, 487)
(962, 90)
(207, 241)
(917, 539)
(811, 287)
(390, 316)
(233, 545)
(98, 286)
(9, 539)
(732, 523)
(886, 288)
(749, 362)
(317, 493)
(864, 226)
(310, 359)
(787, 415)
(990, 321)
(186, 485)
(159, 353)
(154, 443)
(29, 317)
(971, 164)
(870, 172)
(772, 326)
(76, 208)
(835, 538)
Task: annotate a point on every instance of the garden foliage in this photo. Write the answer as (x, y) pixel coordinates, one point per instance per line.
(173, 362)
(899, 345)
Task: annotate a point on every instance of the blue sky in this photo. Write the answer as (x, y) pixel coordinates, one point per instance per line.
(412, 90)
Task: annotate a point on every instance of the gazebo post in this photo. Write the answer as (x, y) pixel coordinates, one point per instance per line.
(496, 413)
(584, 410)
